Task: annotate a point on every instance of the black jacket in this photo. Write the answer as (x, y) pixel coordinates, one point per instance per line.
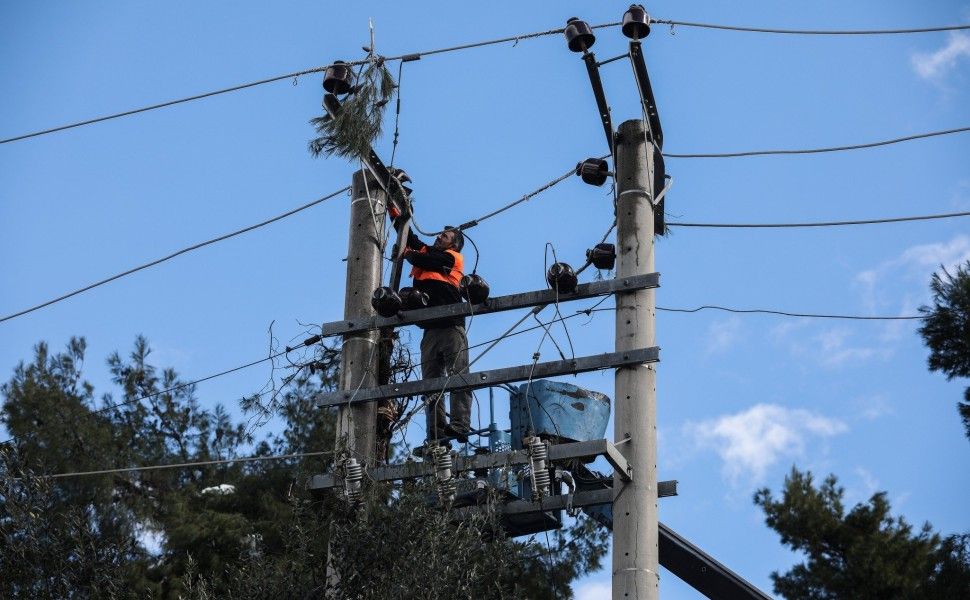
(439, 292)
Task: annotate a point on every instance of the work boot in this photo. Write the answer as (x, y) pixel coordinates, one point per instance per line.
(425, 451)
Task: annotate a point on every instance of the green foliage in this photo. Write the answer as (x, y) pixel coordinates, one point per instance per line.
(946, 330)
(53, 549)
(361, 117)
(84, 537)
(863, 553)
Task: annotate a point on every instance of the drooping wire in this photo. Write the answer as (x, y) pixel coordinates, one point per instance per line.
(791, 314)
(545, 269)
(186, 465)
(403, 58)
(824, 223)
(809, 31)
(173, 255)
(821, 150)
(308, 342)
(397, 115)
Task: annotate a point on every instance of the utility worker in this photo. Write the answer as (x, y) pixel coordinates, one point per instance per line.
(437, 271)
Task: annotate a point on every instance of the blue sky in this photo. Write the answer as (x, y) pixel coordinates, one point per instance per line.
(741, 398)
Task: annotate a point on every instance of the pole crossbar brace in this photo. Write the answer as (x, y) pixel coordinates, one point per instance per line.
(492, 305)
(557, 453)
(582, 499)
(481, 379)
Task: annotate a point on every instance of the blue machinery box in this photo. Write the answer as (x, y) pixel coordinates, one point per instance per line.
(560, 411)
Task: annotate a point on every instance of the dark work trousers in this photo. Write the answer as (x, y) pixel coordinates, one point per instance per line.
(444, 351)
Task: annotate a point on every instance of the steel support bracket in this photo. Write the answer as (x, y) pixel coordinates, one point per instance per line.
(493, 305)
(558, 453)
(592, 68)
(481, 379)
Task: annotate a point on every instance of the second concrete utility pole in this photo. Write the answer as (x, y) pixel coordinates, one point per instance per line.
(636, 555)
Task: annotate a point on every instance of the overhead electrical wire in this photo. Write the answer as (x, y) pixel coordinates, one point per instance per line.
(820, 150)
(809, 31)
(296, 74)
(159, 261)
(186, 465)
(790, 314)
(418, 55)
(181, 386)
(822, 223)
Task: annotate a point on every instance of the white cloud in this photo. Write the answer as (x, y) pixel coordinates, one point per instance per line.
(873, 407)
(934, 65)
(914, 264)
(751, 441)
(832, 350)
(721, 335)
(594, 590)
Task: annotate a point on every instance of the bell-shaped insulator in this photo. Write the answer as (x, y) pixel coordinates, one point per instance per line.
(386, 302)
(474, 288)
(413, 298)
(636, 22)
(579, 35)
(562, 277)
(594, 171)
(401, 175)
(603, 256)
(339, 79)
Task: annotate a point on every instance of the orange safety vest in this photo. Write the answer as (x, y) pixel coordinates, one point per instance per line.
(453, 277)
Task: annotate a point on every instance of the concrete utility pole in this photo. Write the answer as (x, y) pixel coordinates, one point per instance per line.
(636, 555)
(356, 423)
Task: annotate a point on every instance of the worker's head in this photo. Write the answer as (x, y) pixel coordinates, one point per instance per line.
(450, 238)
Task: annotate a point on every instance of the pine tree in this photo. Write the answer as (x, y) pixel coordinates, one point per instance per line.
(863, 553)
(946, 330)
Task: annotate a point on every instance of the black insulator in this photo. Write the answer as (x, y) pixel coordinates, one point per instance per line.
(562, 277)
(401, 175)
(386, 301)
(603, 256)
(339, 79)
(636, 22)
(474, 288)
(594, 171)
(579, 35)
(413, 298)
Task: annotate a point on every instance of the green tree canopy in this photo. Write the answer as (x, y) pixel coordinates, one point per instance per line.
(863, 553)
(946, 330)
(264, 537)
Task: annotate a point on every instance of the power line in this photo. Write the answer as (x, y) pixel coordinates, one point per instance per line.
(811, 31)
(823, 223)
(181, 386)
(788, 314)
(820, 150)
(186, 465)
(402, 57)
(173, 255)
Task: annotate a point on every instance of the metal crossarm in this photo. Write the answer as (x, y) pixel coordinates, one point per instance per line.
(481, 379)
(557, 453)
(492, 305)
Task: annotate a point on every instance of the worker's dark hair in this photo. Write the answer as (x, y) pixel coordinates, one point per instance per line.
(459, 237)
